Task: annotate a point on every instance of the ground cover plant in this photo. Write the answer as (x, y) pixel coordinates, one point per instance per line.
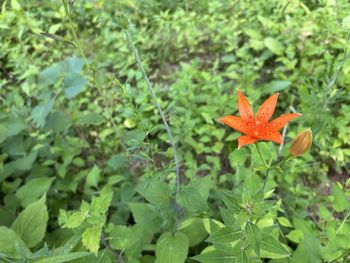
(114, 137)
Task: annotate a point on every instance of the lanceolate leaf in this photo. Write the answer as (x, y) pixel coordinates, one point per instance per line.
(254, 237)
(216, 256)
(64, 258)
(225, 235)
(270, 244)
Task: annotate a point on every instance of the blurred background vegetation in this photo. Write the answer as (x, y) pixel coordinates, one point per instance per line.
(70, 125)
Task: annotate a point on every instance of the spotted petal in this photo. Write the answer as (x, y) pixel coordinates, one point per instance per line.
(266, 109)
(271, 135)
(244, 140)
(245, 110)
(281, 121)
(235, 123)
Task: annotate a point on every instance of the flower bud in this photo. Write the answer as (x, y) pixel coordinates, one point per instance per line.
(301, 143)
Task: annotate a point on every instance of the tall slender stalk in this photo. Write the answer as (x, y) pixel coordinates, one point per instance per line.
(150, 89)
(106, 99)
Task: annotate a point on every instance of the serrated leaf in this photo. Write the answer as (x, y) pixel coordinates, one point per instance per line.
(41, 111)
(226, 234)
(33, 189)
(340, 201)
(75, 220)
(50, 75)
(253, 236)
(63, 258)
(238, 157)
(231, 202)
(101, 203)
(155, 191)
(274, 45)
(172, 248)
(216, 256)
(121, 237)
(91, 238)
(270, 244)
(93, 176)
(190, 199)
(31, 223)
(8, 241)
(73, 84)
(227, 217)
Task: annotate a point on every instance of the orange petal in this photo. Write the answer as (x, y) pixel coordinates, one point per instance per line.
(271, 135)
(244, 140)
(245, 110)
(266, 109)
(282, 120)
(235, 123)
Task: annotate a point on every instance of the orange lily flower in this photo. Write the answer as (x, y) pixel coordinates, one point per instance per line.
(258, 128)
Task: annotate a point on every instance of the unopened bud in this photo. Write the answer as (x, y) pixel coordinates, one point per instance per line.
(301, 144)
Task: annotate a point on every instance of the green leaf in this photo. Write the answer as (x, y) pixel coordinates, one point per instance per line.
(155, 191)
(9, 240)
(271, 245)
(284, 221)
(73, 84)
(41, 111)
(91, 238)
(254, 237)
(226, 234)
(190, 199)
(231, 202)
(172, 248)
(72, 64)
(90, 118)
(277, 85)
(93, 176)
(75, 220)
(238, 157)
(33, 189)
(117, 162)
(340, 202)
(101, 204)
(31, 223)
(216, 256)
(49, 76)
(296, 236)
(121, 237)
(309, 250)
(274, 45)
(142, 212)
(63, 258)
(194, 229)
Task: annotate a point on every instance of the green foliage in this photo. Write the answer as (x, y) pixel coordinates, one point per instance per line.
(86, 171)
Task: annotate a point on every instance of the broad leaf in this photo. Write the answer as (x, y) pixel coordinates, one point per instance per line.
(33, 189)
(9, 240)
(172, 248)
(31, 223)
(91, 238)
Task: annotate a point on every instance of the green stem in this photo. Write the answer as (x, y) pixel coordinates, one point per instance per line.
(106, 99)
(261, 157)
(165, 123)
(281, 162)
(262, 189)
